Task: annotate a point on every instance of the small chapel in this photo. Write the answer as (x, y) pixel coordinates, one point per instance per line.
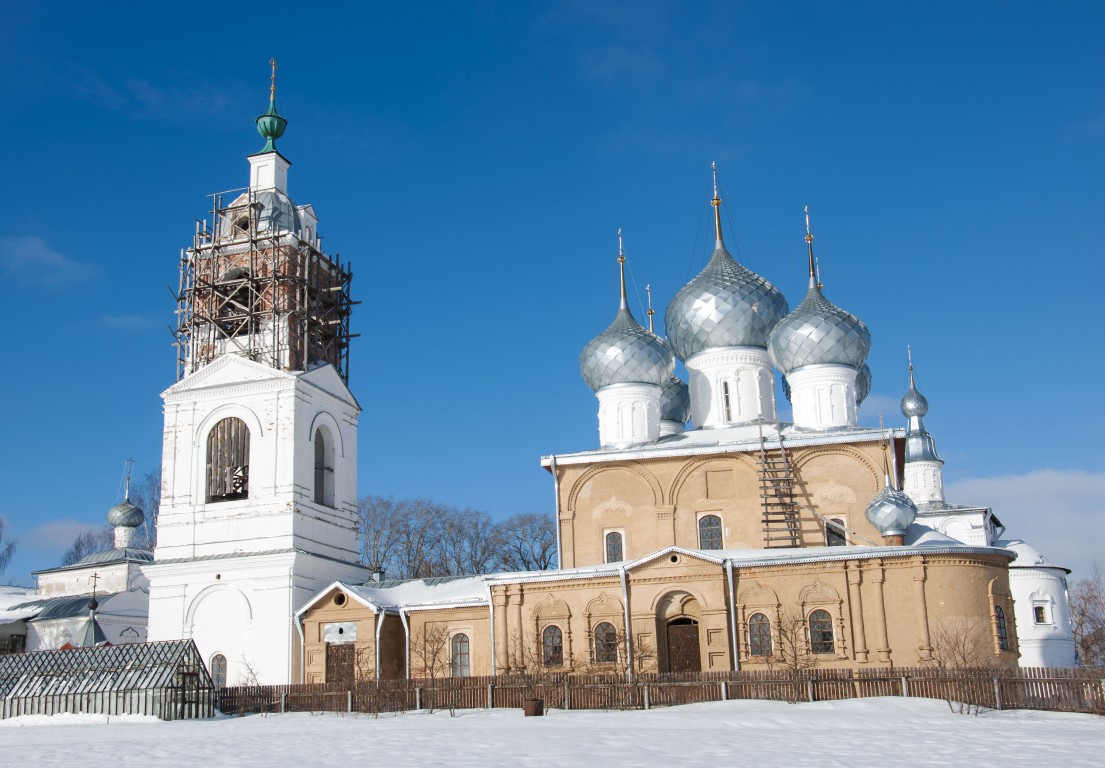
(700, 533)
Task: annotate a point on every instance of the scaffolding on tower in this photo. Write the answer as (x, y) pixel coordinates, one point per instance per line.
(256, 283)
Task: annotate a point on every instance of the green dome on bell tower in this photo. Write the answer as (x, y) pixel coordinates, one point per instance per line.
(271, 125)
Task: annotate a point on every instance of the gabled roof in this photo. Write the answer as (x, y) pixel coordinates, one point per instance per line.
(105, 557)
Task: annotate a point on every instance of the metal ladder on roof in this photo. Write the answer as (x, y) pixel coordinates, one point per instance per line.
(780, 509)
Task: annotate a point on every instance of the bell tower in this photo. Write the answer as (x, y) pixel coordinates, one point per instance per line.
(259, 460)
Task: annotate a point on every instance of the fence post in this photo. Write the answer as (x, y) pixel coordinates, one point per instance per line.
(567, 698)
(809, 689)
(905, 687)
(725, 690)
(997, 695)
(418, 697)
(647, 702)
(349, 701)
(283, 703)
(491, 695)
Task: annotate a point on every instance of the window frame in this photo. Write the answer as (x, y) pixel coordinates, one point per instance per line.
(759, 633)
(605, 647)
(460, 655)
(720, 531)
(216, 677)
(325, 474)
(1002, 628)
(836, 532)
(606, 545)
(552, 646)
(824, 642)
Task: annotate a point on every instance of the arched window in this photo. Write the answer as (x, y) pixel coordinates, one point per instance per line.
(726, 403)
(821, 632)
(228, 461)
(614, 551)
(606, 643)
(460, 655)
(324, 468)
(759, 635)
(1003, 630)
(709, 532)
(835, 534)
(236, 301)
(552, 646)
(218, 670)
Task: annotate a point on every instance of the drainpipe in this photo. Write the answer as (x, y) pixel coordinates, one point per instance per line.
(556, 513)
(732, 613)
(628, 633)
(407, 634)
(491, 611)
(302, 651)
(379, 627)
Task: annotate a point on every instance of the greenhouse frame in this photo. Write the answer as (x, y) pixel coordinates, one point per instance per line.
(165, 679)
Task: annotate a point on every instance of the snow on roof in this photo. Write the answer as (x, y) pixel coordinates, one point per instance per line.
(723, 440)
(1027, 555)
(12, 600)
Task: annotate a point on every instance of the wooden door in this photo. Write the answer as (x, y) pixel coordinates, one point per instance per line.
(339, 663)
(684, 654)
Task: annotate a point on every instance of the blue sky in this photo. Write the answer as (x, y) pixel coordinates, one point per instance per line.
(474, 161)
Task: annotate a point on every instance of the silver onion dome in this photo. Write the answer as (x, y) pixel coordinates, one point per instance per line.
(819, 333)
(675, 401)
(891, 511)
(725, 305)
(125, 515)
(914, 403)
(625, 353)
(863, 383)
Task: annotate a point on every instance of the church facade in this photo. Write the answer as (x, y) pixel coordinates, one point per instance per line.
(742, 542)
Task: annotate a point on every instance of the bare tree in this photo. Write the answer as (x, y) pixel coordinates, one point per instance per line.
(430, 652)
(528, 542)
(792, 651)
(145, 492)
(962, 644)
(91, 541)
(6, 550)
(379, 522)
(1087, 612)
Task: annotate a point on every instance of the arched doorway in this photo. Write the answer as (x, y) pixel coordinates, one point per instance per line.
(684, 651)
(678, 617)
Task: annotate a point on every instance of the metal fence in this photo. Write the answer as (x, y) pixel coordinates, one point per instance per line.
(1070, 690)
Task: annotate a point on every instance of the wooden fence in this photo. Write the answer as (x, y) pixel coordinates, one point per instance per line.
(1070, 690)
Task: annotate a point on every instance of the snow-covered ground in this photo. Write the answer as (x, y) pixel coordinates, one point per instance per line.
(868, 732)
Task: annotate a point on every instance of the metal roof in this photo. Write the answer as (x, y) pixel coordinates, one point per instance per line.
(134, 666)
(106, 557)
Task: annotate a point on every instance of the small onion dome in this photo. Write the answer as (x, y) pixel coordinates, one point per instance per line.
(863, 383)
(93, 604)
(725, 305)
(819, 333)
(626, 353)
(891, 511)
(675, 401)
(125, 515)
(914, 403)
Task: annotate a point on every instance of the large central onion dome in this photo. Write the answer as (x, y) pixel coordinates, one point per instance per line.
(626, 353)
(125, 515)
(725, 305)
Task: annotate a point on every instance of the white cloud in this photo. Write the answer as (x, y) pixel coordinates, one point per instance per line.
(29, 259)
(55, 535)
(1056, 511)
(889, 407)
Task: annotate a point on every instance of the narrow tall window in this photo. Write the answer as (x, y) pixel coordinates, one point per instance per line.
(606, 643)
(552, 646)
(709, 532)
(218, 670)
(614, 551)
(834, 534)
(324, 469)
(1039, 614)
(1003, 630)
(821, 632)
(726, 402)
(228, 461)
(460, 655)
(759, 635)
